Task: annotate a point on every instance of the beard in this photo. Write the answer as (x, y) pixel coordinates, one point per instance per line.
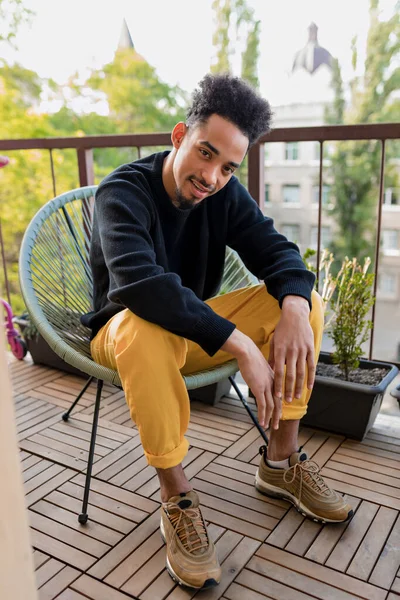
(182, 202)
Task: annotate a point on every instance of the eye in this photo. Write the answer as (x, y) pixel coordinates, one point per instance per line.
(204, 153)
(228, 170)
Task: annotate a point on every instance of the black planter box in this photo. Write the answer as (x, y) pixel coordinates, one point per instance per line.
(344, 407)
(42, 354)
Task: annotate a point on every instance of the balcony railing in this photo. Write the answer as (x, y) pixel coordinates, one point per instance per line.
(84, 147)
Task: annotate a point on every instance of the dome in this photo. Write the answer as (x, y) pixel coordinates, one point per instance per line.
(312, 56)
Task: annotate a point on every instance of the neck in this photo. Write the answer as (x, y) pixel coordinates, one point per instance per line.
(168, 175)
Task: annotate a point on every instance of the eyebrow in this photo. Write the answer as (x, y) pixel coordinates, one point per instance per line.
(217, 152)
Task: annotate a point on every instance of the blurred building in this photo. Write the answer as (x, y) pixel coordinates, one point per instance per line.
(292, 187)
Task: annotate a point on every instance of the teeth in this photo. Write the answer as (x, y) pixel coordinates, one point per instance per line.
(197, 187)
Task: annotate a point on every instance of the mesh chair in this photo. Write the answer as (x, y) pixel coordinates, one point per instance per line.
(56, 284)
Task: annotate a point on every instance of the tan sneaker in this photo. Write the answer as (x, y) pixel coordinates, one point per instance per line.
(304, 487)
(191, 556)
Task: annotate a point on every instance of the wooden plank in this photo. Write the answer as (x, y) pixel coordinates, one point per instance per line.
(57, 584)
(128, 567)
(95, 590)
(235, 497)
(68, 554)
(210, 447)
(126, 547)
(286, 529)
(111, 491)
(324, 453)
(238, 447)
(316, 577)
(120, 465)
(363, 472)
(329, 536)
(107, 518)
(53, 455)
(304, 537)
(263, 584)
(253, 498)
(53, 482)
(389, 561)
(47, 571)
(51, 508)
(352, 537)
(237, 592)
(74, 442)
(99, 469)
(371, 546)
(363, 492)
(233, 523)
(381, 468)
(39, 558)
(69, 536)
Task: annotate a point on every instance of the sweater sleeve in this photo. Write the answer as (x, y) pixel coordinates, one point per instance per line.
(264, 251)
(124, 215)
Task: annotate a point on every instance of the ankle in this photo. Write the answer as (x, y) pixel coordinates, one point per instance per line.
(173, 482)
(278, 454)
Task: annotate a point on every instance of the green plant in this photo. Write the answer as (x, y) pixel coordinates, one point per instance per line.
(349, 326)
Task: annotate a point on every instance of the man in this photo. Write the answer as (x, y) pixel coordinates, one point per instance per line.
(161, 227)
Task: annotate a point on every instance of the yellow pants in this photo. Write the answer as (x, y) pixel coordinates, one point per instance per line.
(150, 361)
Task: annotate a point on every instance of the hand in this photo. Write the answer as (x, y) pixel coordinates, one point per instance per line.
(258, 375)
(293, 345)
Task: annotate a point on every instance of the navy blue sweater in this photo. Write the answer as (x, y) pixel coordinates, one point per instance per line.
(162, 262)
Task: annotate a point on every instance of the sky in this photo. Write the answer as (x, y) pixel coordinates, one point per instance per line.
(175, 36)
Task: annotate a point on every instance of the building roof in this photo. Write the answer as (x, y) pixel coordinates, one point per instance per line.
(125, 39)
(312, 55)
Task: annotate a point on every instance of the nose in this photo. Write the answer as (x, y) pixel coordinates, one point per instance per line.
(209, 176)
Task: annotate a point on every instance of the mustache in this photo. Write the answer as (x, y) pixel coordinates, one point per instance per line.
(204, 184)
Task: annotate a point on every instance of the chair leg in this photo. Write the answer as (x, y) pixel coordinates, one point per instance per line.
(65, 415)
(247, 407)
(83, 517)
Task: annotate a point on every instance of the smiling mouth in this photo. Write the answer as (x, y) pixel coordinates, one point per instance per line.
(201, 191)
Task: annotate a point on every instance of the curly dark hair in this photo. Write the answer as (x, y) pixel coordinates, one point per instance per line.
(234, 100)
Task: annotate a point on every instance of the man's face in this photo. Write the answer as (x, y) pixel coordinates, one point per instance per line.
(207, 156)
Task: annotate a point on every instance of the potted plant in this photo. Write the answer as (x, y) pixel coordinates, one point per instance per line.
(348, 389)
(39, 349)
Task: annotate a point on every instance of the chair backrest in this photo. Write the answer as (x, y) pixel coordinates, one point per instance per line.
(55, 274)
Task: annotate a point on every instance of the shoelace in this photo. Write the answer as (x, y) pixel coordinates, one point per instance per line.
(188, 523)
(309, 470)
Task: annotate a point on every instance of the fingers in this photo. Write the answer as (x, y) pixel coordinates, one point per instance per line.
(271, 357)
(290, 378)
(300, 375)
(311, 369)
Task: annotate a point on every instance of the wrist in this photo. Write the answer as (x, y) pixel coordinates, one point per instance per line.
(297, 304)
(237, 344)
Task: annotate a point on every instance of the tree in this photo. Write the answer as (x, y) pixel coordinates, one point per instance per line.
(138, 100)
(12, 15)
(355, 166)
(236, 26)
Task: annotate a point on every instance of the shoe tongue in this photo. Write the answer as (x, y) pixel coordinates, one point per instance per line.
(186, 500)
(297, 457)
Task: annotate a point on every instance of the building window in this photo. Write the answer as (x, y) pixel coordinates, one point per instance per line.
(291, 194)
(266, 197)
(390, 241)
(326, 237)
(387, 284)
(392, 197)
(291, 232)
(326, 194)
(291, 151)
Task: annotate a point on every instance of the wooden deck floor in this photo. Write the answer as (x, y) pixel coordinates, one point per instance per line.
(267, 549)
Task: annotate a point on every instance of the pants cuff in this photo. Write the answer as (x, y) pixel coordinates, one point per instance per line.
(293, 413)
(171, 459)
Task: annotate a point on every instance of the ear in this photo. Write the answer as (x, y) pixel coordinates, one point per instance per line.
(178, 133)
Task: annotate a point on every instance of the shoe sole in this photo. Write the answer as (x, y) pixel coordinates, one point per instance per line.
(275, 492)
(206, 585)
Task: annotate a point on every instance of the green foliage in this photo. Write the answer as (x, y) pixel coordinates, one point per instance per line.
(235, 23)
(139, 102)
(350, 326)
(355, 166)
(12, 15)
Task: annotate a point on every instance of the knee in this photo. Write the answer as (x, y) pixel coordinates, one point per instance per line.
(152, 339)
(317, 312)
